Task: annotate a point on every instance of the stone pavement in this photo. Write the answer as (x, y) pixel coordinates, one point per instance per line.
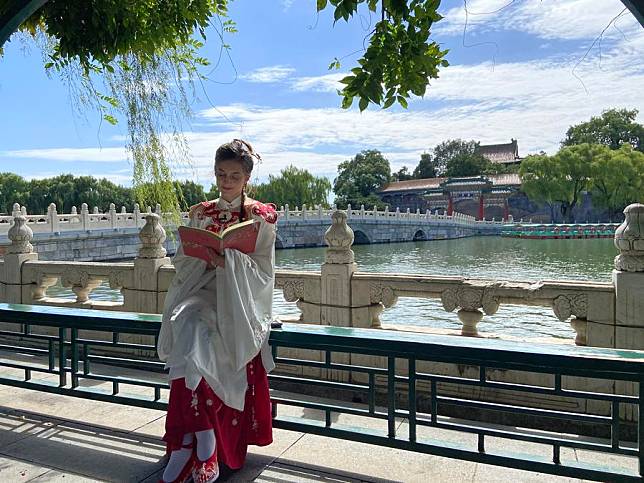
(47, 437)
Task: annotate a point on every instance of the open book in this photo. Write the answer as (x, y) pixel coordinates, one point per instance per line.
(240, 236)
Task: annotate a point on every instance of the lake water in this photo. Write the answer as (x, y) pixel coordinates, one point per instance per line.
(478, 257)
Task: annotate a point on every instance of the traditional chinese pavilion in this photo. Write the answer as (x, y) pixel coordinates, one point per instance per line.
(444, 194)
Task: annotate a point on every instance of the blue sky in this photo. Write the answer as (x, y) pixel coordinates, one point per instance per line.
(527, 72)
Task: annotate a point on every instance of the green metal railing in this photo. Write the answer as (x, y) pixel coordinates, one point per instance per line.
(366, 375)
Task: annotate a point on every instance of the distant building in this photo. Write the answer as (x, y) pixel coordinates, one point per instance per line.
(507, 153)
(471, 195)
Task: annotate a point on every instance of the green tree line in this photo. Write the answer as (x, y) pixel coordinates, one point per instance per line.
(292, 186)
(603, 156)
(67, 190)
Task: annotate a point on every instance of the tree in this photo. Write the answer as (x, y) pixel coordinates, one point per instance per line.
(427, 167)
(561, 178)
(360, 178)
(456, 157)
(294, 187)
(540, 180)
(612, 128)
(617, 179)
(403, 174)
(189, 193)
(213, 194)
(13, 189)
(467, 165)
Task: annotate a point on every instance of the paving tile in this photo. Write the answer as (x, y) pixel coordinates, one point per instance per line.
(16, 470)
(493, 474)
(628, 463)
(306, 474)
(368, 461)
(96, 454)
(15, 426)
(58, 407)
(54, 476)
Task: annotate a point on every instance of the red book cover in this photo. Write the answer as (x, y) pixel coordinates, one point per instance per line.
(240, 236)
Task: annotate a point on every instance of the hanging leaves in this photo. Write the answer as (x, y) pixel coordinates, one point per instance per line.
(400, 58)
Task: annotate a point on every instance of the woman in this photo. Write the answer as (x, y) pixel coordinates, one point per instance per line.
(214, 334)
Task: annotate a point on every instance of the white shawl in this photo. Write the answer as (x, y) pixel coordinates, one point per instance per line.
(216, 321)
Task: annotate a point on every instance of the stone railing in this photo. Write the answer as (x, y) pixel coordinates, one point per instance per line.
(86, 220)
(602, 314)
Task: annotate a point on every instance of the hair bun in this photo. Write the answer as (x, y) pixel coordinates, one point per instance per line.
(246, 146)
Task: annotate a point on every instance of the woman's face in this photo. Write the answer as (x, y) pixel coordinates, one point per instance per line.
(231, 178)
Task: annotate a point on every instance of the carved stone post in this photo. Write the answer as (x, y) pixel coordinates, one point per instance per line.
(628, 278)
(136, 214)
(19, 252)
(85, 216)
(337, 270)
(144, 296)
(113, 221)
(52, 215)
(469, 299)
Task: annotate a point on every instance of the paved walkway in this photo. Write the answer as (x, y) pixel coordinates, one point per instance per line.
(46, 437)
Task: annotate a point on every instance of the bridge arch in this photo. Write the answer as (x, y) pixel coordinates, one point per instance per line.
(360, 238)
(420, 235)
(279, 243)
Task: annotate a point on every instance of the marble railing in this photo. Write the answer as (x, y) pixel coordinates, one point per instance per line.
(86, 220)
(602, 314)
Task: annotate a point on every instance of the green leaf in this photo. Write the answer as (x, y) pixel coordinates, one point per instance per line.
(402, 101)
(335, 65)
(111, 119)
(49, 65)
(389, 102)
(346, 102)
(321, 5)
(364, 102)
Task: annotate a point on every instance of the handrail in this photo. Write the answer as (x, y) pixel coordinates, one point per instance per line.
(411, 385)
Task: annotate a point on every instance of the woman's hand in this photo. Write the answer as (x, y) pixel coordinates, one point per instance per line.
(216, 260)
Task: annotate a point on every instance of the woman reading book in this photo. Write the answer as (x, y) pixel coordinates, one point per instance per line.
(214, 335)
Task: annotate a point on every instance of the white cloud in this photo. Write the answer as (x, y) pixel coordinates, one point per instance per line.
(275, 73)
(549, 19)
(99, 155)
(323, 83)
(532, 101)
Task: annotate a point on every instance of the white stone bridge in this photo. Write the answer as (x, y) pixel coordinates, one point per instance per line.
(94, 236)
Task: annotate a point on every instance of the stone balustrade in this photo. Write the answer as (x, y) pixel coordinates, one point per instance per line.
(86, 221)
(339, 294)
(602, 314)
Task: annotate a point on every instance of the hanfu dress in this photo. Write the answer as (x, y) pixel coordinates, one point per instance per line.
(214, 337)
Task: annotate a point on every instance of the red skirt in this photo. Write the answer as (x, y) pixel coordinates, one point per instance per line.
(201, 409)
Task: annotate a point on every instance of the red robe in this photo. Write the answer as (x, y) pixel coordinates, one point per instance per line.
(189, 412)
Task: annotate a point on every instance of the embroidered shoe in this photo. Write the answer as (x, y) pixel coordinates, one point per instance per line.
(187, 469)
(206, 471)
